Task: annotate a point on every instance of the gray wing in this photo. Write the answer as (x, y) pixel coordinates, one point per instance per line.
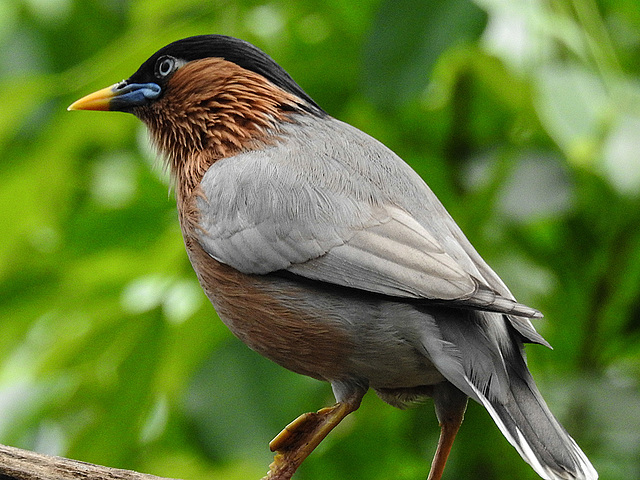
(306, 207)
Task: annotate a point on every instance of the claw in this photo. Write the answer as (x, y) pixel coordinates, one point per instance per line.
(298, 439)
(291, 432)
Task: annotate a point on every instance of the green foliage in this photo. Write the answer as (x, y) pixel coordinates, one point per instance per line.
(523, 116)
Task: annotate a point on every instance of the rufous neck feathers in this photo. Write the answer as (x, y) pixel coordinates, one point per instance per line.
(214, 109)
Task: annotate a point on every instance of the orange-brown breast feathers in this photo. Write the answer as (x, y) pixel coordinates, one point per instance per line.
(214, 109)
(275, 318)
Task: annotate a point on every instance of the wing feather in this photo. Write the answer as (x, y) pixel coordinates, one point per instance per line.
(397, 258)
(351, 215)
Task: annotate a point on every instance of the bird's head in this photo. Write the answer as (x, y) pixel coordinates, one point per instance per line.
(205, 98)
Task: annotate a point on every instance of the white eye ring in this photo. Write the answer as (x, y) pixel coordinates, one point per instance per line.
(165, 66)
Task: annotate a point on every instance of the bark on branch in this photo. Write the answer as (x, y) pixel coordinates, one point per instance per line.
(18, 464)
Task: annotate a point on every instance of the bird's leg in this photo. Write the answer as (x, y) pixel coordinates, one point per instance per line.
(298, 439)
(450, 405)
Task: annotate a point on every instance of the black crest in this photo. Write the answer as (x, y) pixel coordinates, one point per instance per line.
(231, 49)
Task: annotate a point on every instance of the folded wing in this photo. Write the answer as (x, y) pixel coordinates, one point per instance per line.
(267, 211)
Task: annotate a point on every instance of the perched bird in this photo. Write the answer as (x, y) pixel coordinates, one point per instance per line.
(325, 252)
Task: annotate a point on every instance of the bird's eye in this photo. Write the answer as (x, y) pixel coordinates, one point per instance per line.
(165, 66)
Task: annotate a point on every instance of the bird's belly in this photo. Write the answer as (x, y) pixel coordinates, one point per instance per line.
(329, 333)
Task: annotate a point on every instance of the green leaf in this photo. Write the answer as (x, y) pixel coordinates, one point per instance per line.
(573, 106)
(407, 38)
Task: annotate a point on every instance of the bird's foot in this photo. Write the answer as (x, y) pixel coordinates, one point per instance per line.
(298, 439)
(299, 429)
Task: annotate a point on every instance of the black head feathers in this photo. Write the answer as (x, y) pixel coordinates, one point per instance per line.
(231, 49)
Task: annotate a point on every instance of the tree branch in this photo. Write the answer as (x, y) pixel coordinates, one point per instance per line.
(18, 464)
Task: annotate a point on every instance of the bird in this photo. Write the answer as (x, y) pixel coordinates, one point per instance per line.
(322, 250)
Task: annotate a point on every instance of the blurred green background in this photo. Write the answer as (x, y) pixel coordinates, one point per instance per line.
(522, 115)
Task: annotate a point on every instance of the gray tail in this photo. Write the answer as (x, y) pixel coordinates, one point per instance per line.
(481, 353)
(525, 420)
